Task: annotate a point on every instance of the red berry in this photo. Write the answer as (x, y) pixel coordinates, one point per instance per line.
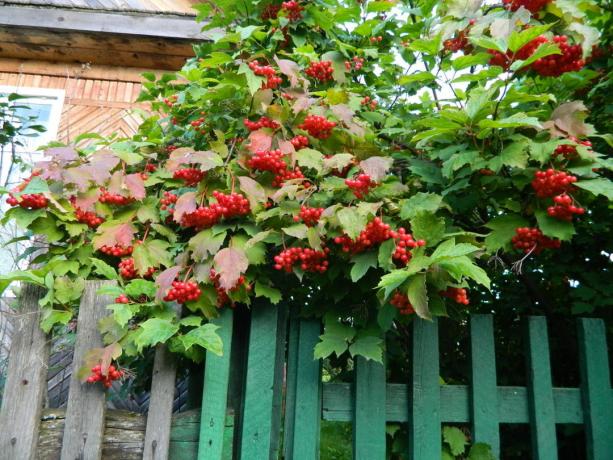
(191, 176)
(317, 126)
(458, 295)
(292, 10)
(182, 292)
(402, 303)
(322, 71)
(530, 240)
(114, 198)
(309, 260)
(550, 182)
(361, 185)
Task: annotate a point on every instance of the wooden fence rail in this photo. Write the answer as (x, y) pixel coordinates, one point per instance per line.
(281, 385)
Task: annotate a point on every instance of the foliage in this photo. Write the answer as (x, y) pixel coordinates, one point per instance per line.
(416, 159)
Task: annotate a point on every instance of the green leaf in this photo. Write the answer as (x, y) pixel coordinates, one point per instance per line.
(514, 155)
(416, 77)
(514, 121)
(254, 83)
(426, 226)
(47, 226)
(362, 262)
(386, 316)
(470, 60)
(154, 331)
(309, 158)
(21, 275)
(352, 221)
(455, 438)
(67, 290)
(204, 336)
(297, 231)
(370, 347)
(449, 249)
(384, 257)
(600, 186)
(269, 292)
(546, 49)
(518, 39)
(418, 295)
(477, 100)
(36, 185)
(503, 229)
(489, 43)
(481, 451)
(122, 313)
(151, 253)
(206, 244)
(553, 227)
(463, 266)
(419, 202)
(335, 339)
(427, 46)
(50, 318)
(139, 287)
(104, 269)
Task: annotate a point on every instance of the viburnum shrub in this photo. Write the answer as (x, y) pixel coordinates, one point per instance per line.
(351, 163)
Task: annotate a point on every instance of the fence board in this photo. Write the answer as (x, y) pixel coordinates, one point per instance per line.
(540, 394)
(307, 402)
(86, 403)
(369, 415)
(26, 381)
(425, 406)
(596, 389)
(157, 434)
(484, 395)
(257, 424)
(215, 395)
(290, 386)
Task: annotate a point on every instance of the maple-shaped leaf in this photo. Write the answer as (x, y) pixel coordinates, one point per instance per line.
(112, 233)
(117, 183)
(164, 281)
(254, 191)
(178, 157)
(259, 140)
(568, 119)
(150, 253)
(286, 147)
(230, 264)
(62, 154)
(376, 167)
(76, 176)
(185, 204)
(206, 159)
(345, 114)
(337, 162)
(135, 185)
(87, 199)
(290, 69)
(302, 102)
(100, 164)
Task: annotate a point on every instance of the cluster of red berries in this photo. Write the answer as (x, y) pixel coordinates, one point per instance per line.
(263, 122)
(293, 10)
(530, 239)
(222, 294)
(28, 201)
(122, 298)
(191, 176)
(196, 123)
(91, 219)
(569, 151)
(203, 217)
(534, 6)
(318, 127)
(107, 380)
(232, 205)
(377, 39)
(170, 101)
(310, 216)
(555, 65)
(114, 198)
(458, 42)
(361, 185)
(374, 233)
(504, 60)
(182, 291)
(288, 174)
(128, 272)
(401, 302)
(371, 103)
(268, 160)
(117, 250)
(404, 244)
(272, 79)
(550, 183)
(270, 12)
(564, 209)
(171, 148)
(356, 63)
(309, 259)
(458, 295)
(321, 71)
(168, 199)
(300, 142)
(150, 167)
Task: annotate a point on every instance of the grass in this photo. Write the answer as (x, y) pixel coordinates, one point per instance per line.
(335, 441)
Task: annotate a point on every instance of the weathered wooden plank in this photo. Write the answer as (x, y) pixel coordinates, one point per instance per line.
(424, 395)
(596, 389)
(307, 402)
(290, 386)
(455, 408)
(257, 423)
(26, 381)
(540, 394)
(369, 414)
(279, 373)
(484, 395)
(86, 403)
(215, 394)
(157, 435)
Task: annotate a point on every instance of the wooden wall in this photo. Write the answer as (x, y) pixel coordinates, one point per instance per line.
(92, 103)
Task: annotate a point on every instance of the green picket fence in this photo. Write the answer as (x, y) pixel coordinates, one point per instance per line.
(269, 427)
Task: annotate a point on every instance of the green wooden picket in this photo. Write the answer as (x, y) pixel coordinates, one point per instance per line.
(303, 443)
(369, 412)
(258, 420)
(215, 395)
(484, 392)
(424, 393)
(290, 386)
(596, 389)
(540, 391)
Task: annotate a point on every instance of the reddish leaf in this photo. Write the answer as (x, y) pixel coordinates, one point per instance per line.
(164, 281)
(230, 263)
(259, 140)
(207, 159)
(569, 120)
(254, 191)
(303, 102)
(178, 157)
(376, 167)
(102, 356)
(77, 177)
(287, 147)
(345, 113)
(101, 163)
(136, 186)
(117, 183)
(290, 69)
(110, 234)
(86, 200)
(185, 204)
(62, 154)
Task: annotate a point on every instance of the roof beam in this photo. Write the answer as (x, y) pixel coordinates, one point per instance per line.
(143, 24)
